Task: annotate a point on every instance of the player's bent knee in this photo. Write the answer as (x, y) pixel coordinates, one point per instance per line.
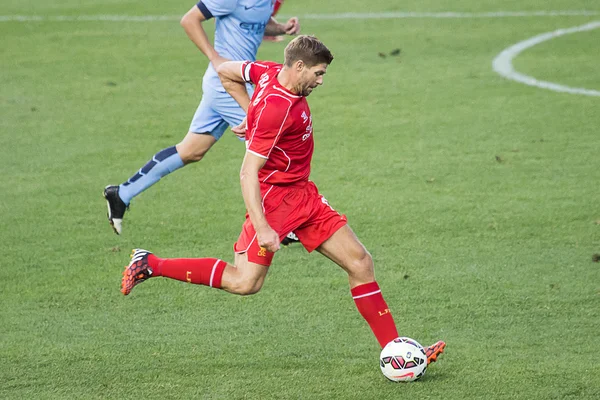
(192, 158)
(362, 267)
(363, 260)
(245, 284)
(194, 146)
(246, 278)
(189, 155)
(247, 287)
(249, 291)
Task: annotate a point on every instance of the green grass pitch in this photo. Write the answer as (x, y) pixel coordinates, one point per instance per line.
(477, 196)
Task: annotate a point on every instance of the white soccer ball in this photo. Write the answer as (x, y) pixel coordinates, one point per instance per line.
(403, 360)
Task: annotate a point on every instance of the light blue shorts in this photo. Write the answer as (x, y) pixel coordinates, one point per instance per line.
(217, 111)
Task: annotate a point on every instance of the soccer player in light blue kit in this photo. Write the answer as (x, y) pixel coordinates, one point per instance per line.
(240, 27)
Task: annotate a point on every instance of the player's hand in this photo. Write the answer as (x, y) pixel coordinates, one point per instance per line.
(240, 130)
(217, 60)
(292, 27)
(268, 238)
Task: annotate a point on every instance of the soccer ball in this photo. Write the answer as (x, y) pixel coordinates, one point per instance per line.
(403, 360)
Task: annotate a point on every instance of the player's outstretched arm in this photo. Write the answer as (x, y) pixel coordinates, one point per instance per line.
(192, 24)
(266, 236)
(274, 28)
(230, 73)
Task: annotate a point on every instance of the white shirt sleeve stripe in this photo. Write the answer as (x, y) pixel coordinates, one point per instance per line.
(246, 72)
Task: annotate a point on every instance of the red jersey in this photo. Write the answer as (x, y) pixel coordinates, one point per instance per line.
(279, 126)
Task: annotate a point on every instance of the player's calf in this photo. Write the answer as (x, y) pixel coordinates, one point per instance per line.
(244, 279)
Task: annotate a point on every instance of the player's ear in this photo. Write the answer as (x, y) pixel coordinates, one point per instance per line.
(299, 65)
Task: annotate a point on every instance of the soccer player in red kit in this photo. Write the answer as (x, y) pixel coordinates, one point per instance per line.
(278, 194)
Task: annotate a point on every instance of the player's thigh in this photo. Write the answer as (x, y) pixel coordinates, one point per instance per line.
(207, 119)
(249, 269)
(347, 251)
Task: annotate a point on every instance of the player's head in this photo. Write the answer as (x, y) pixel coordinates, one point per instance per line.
(308, 58)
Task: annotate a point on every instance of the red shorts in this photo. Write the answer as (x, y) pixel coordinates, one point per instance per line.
(298, 208)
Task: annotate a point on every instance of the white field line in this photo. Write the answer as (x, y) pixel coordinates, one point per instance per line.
(452, 14)
(502, 64)
(342, 16)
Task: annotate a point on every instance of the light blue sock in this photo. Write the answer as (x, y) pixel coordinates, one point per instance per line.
(164, 162)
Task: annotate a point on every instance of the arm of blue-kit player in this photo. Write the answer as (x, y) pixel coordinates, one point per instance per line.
(274, 28)
(230, 73)
(192, 24)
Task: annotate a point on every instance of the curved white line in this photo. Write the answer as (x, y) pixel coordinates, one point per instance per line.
(333, 16)
(502, 64)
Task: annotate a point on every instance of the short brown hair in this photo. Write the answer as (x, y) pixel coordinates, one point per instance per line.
(308, 49)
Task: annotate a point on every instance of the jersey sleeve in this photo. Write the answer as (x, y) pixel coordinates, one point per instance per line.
(216, 8)
(252, 71)
(272, 118)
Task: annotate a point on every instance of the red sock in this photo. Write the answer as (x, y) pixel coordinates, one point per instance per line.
(200, 271)
(373, 308)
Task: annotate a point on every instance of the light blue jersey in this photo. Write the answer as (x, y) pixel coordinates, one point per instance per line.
(240, 26)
